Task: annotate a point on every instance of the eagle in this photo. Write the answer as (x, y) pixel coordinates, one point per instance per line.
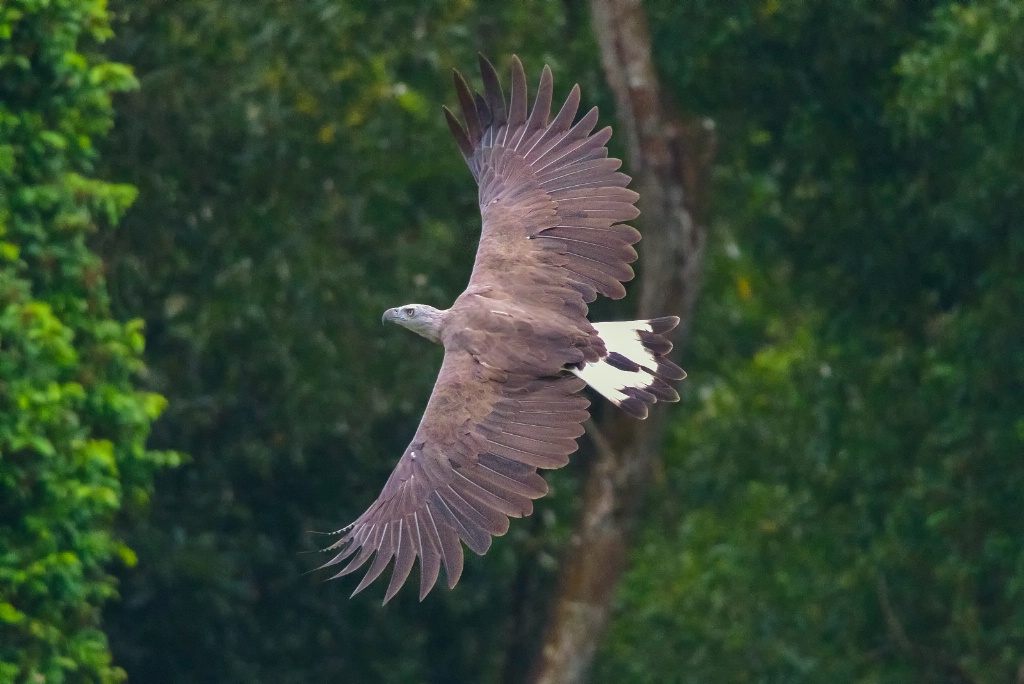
(518, 347)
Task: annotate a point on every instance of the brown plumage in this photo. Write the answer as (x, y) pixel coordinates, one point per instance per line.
(518, 345)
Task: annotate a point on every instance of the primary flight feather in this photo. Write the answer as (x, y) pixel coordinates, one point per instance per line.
(518, 345)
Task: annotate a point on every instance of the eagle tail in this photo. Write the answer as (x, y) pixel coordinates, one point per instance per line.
(635, 373)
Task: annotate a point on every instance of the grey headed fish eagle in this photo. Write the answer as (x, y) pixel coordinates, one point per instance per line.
(518, 347)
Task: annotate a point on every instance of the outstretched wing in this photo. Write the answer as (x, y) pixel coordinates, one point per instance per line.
(551, 199)
(471, 465)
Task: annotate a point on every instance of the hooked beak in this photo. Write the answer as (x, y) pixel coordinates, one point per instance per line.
(389, 315)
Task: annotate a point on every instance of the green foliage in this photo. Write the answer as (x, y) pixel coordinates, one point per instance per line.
(72, 425)
(841, 502)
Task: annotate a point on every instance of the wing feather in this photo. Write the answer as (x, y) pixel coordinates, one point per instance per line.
(430, 556)
(365, 550)
(577, 143)
(474, 127)
(558, 128)
(492, 521)
(562, 431)
(517, 105)
(495, 100)
(509, 503)
(541, 108)
(611, 251)
(405, 558)
(595, 168)
(514, 476)
(447, 541)
(613, 194)
(384, 552)
(458, 132)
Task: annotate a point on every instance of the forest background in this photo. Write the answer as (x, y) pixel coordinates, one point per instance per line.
(247, 186)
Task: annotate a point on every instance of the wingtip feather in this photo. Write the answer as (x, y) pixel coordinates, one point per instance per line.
(492, 91)
(468, 104)
(458, 132)
(541, 113)
(518, 99)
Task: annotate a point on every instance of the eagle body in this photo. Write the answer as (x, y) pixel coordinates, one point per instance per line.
(517, 337)
(518, 345)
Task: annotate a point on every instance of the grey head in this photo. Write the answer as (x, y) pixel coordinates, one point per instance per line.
(420, 318)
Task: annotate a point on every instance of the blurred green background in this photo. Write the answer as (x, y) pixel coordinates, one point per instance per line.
(839, 499)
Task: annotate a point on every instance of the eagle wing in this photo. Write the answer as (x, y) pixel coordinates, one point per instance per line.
(551, 200)
(471, 465)
(552, 203)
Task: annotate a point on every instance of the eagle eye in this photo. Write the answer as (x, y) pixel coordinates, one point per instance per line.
(410, 311)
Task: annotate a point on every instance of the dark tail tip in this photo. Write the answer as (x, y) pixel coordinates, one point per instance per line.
(662, 325)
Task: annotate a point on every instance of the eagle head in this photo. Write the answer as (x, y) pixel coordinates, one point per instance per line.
(421, 319)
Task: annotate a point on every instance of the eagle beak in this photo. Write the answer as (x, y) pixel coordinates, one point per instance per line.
(389, 315)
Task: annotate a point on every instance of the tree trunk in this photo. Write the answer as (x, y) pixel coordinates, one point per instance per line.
(670, 160)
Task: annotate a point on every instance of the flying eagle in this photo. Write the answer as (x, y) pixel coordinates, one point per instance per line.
(518, 345)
